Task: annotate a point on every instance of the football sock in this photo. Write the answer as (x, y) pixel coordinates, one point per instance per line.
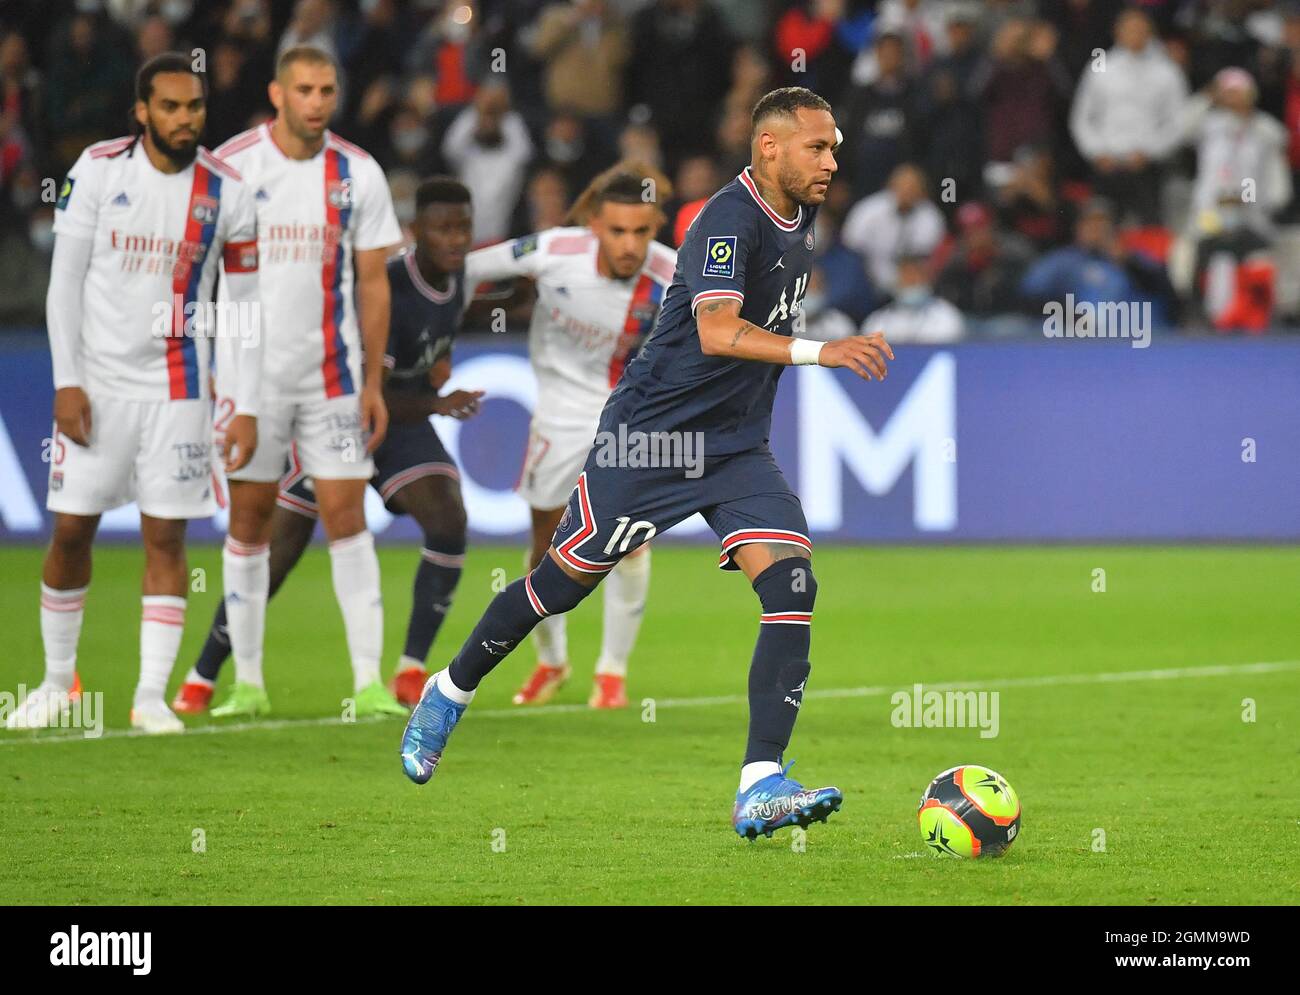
(513, 614)
(751, 774)
(246, 577)
(449, 689)
(780, 665)
(216, 648)
(625, 595)
(61, 614)
(162, 623)
(551, 640)
(435, 582)
(355, 568)
(551, 637)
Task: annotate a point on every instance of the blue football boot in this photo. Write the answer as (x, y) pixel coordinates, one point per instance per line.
(775, 802)
(427, 731)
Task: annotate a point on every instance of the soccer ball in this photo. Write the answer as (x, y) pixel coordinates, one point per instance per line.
(969, 811)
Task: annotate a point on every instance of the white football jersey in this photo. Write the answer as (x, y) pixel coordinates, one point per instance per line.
(584, 325)
(312, 214)
(156, 239)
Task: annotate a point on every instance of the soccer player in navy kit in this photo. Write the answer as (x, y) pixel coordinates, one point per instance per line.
(414, 474)
(710, 366)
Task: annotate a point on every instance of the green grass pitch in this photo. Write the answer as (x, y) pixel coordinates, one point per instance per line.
(1196, 804)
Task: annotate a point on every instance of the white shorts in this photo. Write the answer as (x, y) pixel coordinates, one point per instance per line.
(552, 463)
(331, 443)
(156, 453)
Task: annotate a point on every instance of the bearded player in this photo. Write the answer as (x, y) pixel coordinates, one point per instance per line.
(711, 367)
(323, 212)
(141, 225)
(414, 473)
(599, 285)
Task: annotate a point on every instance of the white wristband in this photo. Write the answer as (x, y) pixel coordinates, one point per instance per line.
(805, 352)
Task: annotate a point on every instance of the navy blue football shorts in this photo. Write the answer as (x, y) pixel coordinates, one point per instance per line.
(408, 452)
(613, 510)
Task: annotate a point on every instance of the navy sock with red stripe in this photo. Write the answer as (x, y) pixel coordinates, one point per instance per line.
(513, 614)
(435, 582)
(780, 667)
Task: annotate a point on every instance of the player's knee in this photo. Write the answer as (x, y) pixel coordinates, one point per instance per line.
(551, 591)
(447, 523)
(788, 585)
(168, 547)
(343, 521)
(72, 536)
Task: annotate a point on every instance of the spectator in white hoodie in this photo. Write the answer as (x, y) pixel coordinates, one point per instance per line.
(1242, 175)
(1127, 117)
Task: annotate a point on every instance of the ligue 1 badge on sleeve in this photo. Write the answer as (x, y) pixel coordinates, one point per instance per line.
(720, 256)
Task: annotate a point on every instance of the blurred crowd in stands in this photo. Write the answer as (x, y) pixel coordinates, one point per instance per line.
(997, 155)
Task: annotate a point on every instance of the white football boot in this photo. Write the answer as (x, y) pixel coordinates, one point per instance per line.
(155, 718)
(44, 708)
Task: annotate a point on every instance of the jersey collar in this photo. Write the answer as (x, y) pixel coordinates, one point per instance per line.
(425, 287)
(747, 181)
(270, 138)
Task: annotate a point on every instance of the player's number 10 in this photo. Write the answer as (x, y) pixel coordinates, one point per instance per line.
(630, 535)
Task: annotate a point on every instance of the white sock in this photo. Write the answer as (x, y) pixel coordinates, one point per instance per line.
(246, 578)
(405, 662)
(194, 677)
(625, 594)
(450, 690)
(750, 773)
(61, 614)
(162, 623)
(356, 585)
(550, 638)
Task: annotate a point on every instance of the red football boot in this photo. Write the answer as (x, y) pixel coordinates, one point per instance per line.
(608, 692)
(542, 685)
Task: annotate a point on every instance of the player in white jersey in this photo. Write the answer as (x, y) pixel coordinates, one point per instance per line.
(323, 207)
(598, 291)
(141, 225)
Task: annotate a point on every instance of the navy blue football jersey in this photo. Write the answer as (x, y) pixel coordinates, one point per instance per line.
(422, 323)
(738, 247)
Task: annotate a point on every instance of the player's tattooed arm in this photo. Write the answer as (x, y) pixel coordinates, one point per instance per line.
(724, 333)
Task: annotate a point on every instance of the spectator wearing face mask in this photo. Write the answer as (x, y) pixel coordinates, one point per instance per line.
(573, 148)
(915, 315)
(488, 147)
(409, 146)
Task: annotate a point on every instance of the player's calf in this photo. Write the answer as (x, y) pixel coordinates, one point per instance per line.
(509, 618)
(548, 590)
(779, 670)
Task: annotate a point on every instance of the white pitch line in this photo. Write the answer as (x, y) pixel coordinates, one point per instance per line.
(1047, 680)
